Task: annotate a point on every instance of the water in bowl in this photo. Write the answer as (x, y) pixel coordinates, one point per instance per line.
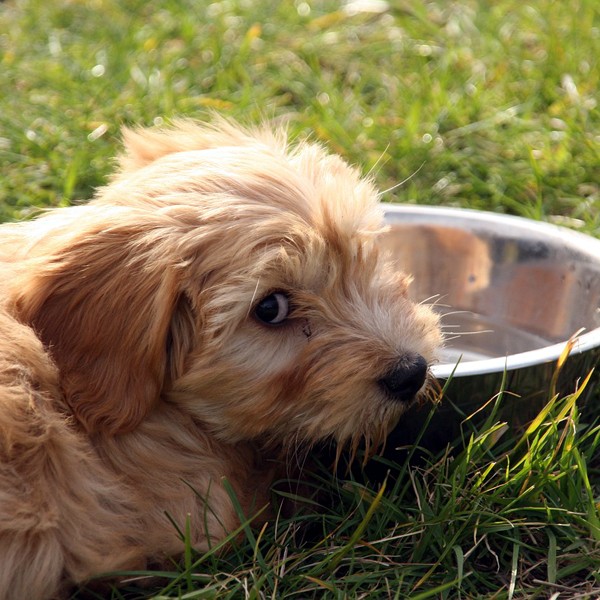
(471, 336)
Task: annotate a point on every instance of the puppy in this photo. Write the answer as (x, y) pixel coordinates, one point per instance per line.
(219, 306)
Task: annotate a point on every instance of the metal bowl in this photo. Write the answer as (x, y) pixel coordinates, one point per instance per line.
(512, 292)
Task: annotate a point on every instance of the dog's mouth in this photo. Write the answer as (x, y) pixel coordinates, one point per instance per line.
(414, 384)
(366, 436)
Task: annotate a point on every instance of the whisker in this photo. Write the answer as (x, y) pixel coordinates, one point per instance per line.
(459, 334)
(434, 301)
(455, 312)
(391, 189)
(475, 332)
(451, 338)
(378, 161)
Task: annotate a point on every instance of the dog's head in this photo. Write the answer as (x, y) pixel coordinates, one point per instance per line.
(237, 278)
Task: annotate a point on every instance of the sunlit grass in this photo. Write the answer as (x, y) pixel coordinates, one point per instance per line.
(494, 104)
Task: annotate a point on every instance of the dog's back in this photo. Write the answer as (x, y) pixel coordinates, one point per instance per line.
(50, 483)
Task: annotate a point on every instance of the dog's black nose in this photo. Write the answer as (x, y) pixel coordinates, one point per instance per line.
(406, 378)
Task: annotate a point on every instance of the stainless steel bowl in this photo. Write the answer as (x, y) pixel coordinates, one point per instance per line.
(511, 292)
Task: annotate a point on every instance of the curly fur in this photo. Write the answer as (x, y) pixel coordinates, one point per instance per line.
(134, 375)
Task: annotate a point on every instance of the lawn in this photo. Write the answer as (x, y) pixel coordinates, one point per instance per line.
(489, 105)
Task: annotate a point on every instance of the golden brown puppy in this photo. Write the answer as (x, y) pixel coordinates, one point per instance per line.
(220, 304)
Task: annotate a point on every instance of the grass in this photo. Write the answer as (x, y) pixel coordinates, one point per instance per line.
(489, 105)
(505, 518)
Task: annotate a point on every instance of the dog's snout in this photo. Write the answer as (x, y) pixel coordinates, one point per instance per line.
(406, 378)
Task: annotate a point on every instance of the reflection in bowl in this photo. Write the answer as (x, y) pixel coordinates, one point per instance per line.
(511, 292)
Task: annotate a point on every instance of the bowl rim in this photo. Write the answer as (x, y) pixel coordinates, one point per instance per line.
(587, 244)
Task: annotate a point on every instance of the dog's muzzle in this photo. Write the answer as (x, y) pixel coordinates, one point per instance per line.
(406, 378)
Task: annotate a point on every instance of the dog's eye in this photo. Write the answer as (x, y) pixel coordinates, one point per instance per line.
(273, 309)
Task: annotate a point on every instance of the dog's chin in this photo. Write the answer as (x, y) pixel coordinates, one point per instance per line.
(365, 436)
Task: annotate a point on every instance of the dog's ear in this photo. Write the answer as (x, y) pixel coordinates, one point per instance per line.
(111, 313)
